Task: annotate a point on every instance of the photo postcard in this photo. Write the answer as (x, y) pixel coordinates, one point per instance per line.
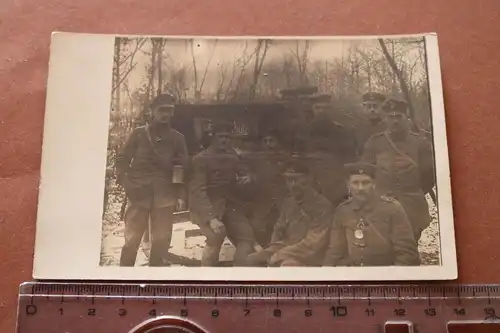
(245, 159)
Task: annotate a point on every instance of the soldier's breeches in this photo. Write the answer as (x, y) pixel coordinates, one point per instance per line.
(243, 249)
(136, 222)
(161, 234)
(259, 259)
(213, 244)
(291, 263)
(263, 226)
(240, 233)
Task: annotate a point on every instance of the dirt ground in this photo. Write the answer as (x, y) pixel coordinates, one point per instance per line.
(191, 247)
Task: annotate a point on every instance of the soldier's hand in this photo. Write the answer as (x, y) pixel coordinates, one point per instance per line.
(257, 248)
(275, 259)
(243, 180)
(217, 226)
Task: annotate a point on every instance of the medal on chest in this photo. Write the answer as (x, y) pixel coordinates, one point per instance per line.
(358, 234)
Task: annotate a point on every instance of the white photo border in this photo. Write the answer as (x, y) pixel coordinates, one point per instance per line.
(75, 142)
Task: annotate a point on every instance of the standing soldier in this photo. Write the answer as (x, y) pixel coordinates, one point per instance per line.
(214, 203)
(145, 168)
(330, 145)
(370, 122)
(269, 189)
(300, 236)
(368, 229)
(405, 167)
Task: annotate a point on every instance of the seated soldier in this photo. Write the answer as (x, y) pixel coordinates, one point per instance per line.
(269, 190)
(214, 205)
(300, 235)
(370, 230)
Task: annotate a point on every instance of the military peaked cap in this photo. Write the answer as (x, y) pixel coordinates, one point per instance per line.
(162, 100)
(373, 96)
(394, 105)
(296, 168)
(361, 168)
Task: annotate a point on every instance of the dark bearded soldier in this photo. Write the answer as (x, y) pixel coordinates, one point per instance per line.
(300, 235)
(369, 229)
(145, 168)
(329, 146)
(405, 168)
(268, 188)
(214, 203)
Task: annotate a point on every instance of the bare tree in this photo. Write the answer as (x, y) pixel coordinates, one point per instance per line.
(301, 57)
(128, 60)
(177, 83)
(243, 61)
(260, 56)
(198, 85)
(230, 83)
(158, 45)
(368, 58)
(400, 76)
(222, 79)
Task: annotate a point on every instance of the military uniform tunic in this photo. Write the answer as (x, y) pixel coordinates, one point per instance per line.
(386, 235)
(365, 129)
(301, 233)
(213, 191)
(267, 192)
(330, 146)
(144, 168)
(405, 171)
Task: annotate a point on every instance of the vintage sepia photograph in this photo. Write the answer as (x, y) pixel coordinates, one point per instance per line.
(249, 158)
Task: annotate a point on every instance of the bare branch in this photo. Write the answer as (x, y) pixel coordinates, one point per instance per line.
(399, 75)
(206, 67)
(124, 76)
(195, 71)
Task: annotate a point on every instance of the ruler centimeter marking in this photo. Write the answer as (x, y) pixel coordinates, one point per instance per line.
(61, 307)
(257, 292)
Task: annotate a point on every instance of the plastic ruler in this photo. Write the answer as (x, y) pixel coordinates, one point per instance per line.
(245, 308)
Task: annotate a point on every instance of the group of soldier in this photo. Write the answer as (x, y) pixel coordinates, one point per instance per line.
(335, 203)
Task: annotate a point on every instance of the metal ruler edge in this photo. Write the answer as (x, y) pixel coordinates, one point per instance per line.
(482, 299)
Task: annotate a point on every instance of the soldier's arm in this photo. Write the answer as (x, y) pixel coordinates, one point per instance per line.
(337, 244)
(404, 244)
(182, 154)
(315, 239)
(369, 154)
(243, 168)
(197, 189)
(125, 156)
(276, 242)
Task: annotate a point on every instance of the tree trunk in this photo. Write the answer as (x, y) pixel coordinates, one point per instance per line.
(160, 61)
(117, 74)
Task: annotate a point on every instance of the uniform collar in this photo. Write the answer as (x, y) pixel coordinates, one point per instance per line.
(212, 149)
(159, 130)
(397, 136)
